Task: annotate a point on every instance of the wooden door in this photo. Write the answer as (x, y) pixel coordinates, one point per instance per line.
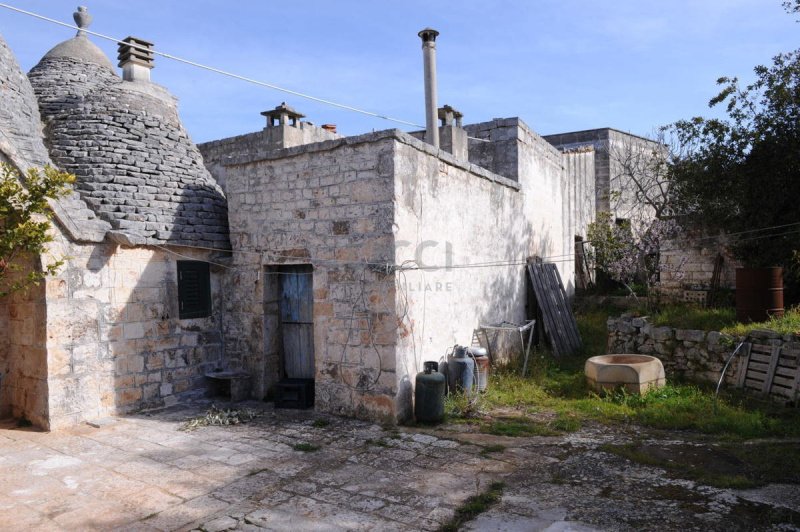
(297, 310)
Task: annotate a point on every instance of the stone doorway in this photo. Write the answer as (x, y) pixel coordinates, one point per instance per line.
(288, 322)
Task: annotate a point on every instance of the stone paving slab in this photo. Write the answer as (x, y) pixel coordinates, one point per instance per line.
(140, 473)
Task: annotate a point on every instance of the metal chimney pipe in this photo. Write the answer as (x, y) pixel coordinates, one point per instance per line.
(428, 37)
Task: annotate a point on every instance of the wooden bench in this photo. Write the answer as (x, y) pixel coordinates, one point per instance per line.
(233, 384)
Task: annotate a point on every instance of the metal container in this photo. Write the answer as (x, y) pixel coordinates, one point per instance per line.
(482, 372)
(429, 394)
(460, 372)
(759, 293)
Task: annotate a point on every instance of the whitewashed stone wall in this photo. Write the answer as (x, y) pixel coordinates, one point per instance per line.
(449, 214)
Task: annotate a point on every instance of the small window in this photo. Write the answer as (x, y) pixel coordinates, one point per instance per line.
(194, 289)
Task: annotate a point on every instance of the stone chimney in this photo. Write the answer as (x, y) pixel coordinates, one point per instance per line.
(453, 137)
(135, 58)
(428, 37)
(285, 129)
(282, 115)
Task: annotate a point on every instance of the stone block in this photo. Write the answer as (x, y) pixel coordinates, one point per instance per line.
(690, 335)
(133, 331)
(129, 396)
(134, 363)
(661, 334)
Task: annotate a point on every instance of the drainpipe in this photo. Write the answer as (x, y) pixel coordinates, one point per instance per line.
(428, 37)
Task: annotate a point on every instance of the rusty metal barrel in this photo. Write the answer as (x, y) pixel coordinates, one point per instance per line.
(759, 293)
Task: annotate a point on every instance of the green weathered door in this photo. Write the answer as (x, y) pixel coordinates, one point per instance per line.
(297, 311)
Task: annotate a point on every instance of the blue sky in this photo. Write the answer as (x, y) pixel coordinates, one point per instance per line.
(560, 65)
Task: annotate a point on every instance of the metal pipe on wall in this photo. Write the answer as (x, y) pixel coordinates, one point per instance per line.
(428, 37)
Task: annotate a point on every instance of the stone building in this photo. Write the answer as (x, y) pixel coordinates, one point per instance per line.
(405, 249)
(291, 252)
(115, 330)
(616, 154)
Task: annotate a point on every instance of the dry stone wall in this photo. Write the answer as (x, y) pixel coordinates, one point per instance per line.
(135, 164)
(687, 353)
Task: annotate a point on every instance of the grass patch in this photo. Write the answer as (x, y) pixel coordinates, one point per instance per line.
(474, 506)
(559, 387)
(733, 466)
(305, 447)
(377, 443)
(722, 319)
(219, 417)
(320, 423)
(788, 324)
(517, 427)
(693, 317)
(491, 449)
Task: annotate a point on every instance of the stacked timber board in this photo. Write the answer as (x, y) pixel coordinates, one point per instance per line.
(559, 322)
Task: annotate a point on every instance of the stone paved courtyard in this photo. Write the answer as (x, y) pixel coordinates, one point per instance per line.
(142, 473)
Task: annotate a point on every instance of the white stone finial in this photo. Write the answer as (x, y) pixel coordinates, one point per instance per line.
(82, 19)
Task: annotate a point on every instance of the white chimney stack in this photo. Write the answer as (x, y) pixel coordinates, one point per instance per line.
(428, 37)
(135, 58)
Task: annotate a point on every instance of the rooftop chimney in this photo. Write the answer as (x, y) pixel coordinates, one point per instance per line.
(453, 136)
(82, 19)
(136, 59)
(428, 37)
(281, 115)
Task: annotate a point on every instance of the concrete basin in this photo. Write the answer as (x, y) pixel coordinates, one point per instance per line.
(635, 373)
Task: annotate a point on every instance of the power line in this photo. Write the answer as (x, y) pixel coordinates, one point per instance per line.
(224, 72)
(216, 70)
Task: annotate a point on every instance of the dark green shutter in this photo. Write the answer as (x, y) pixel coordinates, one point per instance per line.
(194, 289)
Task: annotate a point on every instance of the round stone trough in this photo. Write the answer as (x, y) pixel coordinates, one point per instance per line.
(635, 373)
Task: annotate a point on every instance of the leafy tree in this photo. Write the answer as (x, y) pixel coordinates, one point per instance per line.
(743, 172)
(24, 222)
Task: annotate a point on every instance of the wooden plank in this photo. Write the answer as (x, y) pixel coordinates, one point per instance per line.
(761, 357)
(783, 371)
(796, 387)
(297, 313)
(762, 349)
(566, 319)
(759, 366)
(744, 364)
(547, 314)
(558, 321)
(786, 382)
(566, 313)
(776, 353)
(564, 310)
(755, 385)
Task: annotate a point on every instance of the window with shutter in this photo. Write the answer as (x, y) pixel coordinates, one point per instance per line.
(194, 289)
